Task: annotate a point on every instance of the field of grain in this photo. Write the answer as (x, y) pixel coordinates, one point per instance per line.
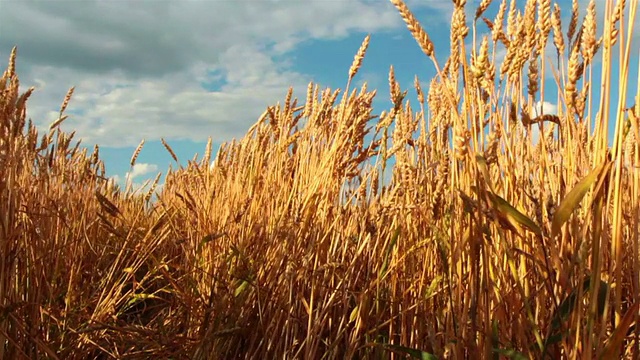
(501, 234)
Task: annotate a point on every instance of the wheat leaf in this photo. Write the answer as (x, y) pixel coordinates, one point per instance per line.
(570, 202)
(611, 350)
(512, 215)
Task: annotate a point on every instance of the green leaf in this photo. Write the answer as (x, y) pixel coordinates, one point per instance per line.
(567, 306)
(511, 354)
(414, 353)
(387, 254)
(431, 290)
(512, 215)
(354, 314)
(611, 350)
(484, 169)
(241, 288)
(209, 238)
(495, 339)
(571, 201)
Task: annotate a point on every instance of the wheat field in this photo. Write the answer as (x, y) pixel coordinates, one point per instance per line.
(487, 242)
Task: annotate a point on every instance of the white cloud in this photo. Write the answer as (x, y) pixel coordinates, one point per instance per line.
(139, 67)
(138, 170)
(373, 80)
(116, 179)
(547, 108)
(141, 169)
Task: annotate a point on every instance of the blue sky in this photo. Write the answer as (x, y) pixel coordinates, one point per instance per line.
(187, 70)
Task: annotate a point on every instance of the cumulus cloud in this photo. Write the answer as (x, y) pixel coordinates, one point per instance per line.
(116, 179)
(141, 169)
(547, 109)
(138, 170)
(178, 69)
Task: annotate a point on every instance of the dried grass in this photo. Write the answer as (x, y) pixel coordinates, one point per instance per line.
(485, 243)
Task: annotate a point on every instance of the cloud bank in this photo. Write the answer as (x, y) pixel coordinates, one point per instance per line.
(178, 69)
